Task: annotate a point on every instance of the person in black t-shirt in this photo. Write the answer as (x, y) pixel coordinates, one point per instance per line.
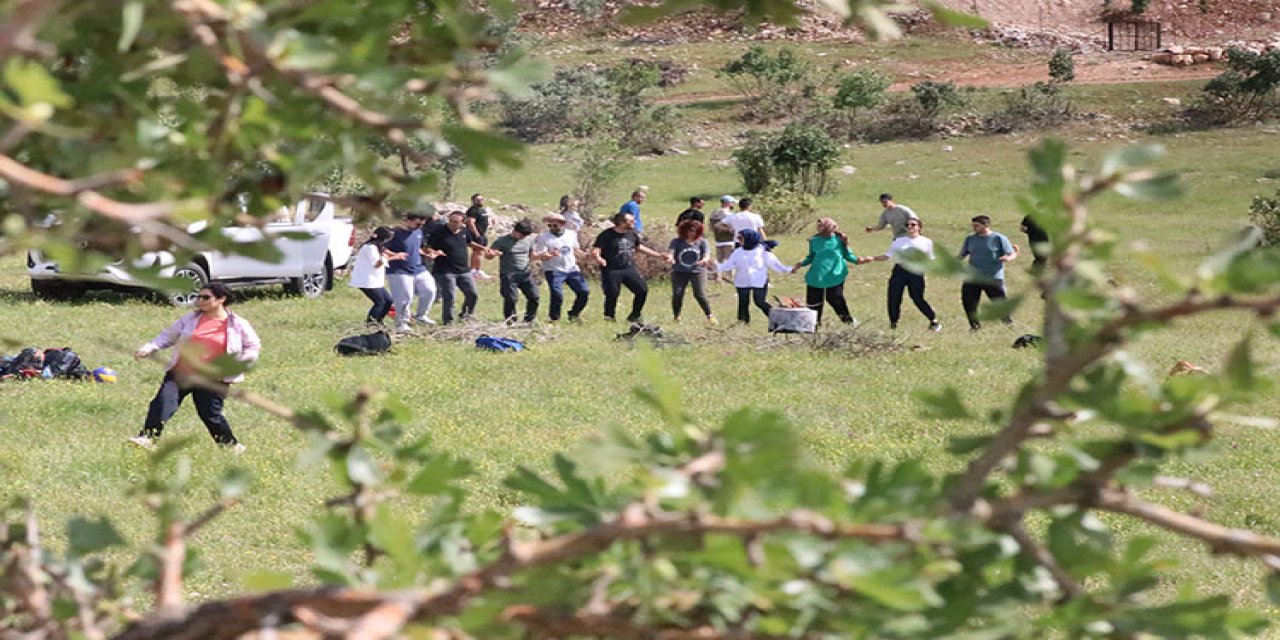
(1039, 241)
(694, 212)
(614, 250)
(452, 268)
(478, 224)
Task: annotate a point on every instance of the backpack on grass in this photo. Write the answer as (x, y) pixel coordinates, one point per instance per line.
(495, 343)
(368, 344)
(27, 364)
(62, 363)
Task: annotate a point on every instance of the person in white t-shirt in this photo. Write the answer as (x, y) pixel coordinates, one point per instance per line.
(369, 273)
(901, 278)
(745, 218)
(557, 248)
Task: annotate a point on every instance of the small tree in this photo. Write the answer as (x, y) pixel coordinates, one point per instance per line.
(1062, 67)
(803, 157)
(1264, 213)
(933, 97)
(772, 84)
(754, 161)
(862, 89)
(598, 162)
(1247, 90)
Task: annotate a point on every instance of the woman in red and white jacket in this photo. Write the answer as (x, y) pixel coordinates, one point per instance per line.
(200, 337)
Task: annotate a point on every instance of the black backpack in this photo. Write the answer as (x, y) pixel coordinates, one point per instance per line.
(61, 363)
(28, 362)
(368, 344)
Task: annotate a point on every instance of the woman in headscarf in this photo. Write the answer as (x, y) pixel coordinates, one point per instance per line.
(750, 264)
(828, 253)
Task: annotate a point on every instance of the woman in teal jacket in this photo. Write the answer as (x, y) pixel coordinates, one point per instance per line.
(828, 253)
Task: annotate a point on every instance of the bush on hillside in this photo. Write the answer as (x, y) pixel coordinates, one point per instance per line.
(785, 210)
(862, 89)
(799, 158)
(598, 163)
(1264, 212)
(774, 85)
(571, 103)
(754, 161)
(1034, 106)
(935, 97)
(1248, 90)
(1062, 68)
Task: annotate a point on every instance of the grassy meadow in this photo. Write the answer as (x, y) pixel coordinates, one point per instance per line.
(64, 443)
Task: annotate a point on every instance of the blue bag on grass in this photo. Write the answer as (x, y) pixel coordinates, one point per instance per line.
(495, 343)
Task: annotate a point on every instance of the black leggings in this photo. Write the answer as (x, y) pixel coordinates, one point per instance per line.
(679, 280)
(612, 282)
(170, 397)
(381, 303)
(914, 284)
(747, 295)
(835, 297)
(971, 295)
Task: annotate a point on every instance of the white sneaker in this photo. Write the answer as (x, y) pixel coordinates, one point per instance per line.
(237, 449)
(403, 328)
(479, 274)
(423, 320)
(142, 441)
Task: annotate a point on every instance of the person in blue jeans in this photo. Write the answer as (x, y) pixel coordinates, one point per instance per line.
(987, 252)
(558, 250)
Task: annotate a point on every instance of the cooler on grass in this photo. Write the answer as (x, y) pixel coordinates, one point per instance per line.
(792, 320)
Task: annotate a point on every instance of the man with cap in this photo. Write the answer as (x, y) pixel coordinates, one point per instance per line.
(408, 277)
(721, 232)
(558, 250)
(894, 216)
(515, 251)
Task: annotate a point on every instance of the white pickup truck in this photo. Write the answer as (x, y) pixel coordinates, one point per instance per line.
(318, 242)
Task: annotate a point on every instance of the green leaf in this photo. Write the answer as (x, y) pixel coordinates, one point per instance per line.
(132, 15)
(482, 148)
(34, 85)
(86, 536)
(266, 581)
(891, 592)
(955, 18)
(392, 533)
(960, 445)
(1273, 587)
(1240, 370)
(234, 482)
(361, 467)
(1164, 186)
(438, 475)
(1130, 157)
(945, 404)
(999, 309)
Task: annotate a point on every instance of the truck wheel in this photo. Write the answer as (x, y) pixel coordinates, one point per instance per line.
(311, 285)
(196, 275)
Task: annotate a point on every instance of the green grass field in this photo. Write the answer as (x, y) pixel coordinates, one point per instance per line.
(63, 443)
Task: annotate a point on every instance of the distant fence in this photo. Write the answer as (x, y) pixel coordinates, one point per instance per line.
(1133, 35)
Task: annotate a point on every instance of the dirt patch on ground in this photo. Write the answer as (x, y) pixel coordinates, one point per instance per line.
(1184, 21)
(1091, 68)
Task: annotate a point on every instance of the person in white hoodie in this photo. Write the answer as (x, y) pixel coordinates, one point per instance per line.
(750, 264)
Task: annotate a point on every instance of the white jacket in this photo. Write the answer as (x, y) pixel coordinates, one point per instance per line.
(751, 268)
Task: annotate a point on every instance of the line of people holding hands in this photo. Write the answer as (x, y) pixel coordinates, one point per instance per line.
(394, 259)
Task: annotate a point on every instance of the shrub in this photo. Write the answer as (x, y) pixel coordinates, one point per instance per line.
(773, 85)
(573, 102)
(640, 126)
(1265, 213)
(785, 210)
(754, 161)
(1247, 90)
(1062, 67)
(1140, 6)
(933, 97)
(803, 157)
(597, 164)
(896, 119)
(861, 89)
(1034, 106)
